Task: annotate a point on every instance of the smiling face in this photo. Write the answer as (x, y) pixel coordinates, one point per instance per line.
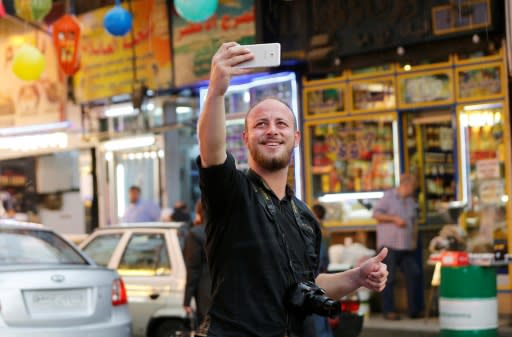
(270, 134)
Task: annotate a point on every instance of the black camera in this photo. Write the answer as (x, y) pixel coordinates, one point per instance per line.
(308, 298)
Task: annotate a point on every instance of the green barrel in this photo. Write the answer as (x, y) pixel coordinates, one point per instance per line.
(467, 303)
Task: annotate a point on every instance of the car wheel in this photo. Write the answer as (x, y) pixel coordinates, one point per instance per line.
(168, 328)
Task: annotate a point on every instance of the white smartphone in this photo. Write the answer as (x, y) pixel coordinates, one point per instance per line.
(265, 55)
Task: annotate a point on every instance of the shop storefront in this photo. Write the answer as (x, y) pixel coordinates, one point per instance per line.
(446, 122)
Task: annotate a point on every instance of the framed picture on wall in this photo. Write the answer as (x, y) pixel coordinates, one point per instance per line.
(325, 100)
(373, 95)
(480, 82)
(425, 89)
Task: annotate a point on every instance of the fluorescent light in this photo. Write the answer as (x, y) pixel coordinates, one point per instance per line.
(128, 143)
(183, 109)
(109, 156)
(150, 106)
(121, 194)
(118, 111)
(247, 97)
(483, 106)
(350, 196)
(34, 128)
(35, 142)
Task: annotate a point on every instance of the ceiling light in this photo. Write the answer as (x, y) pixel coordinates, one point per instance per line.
(118, 111)
(128, 143)
(38, 128)
(183, 109)
(350, 196)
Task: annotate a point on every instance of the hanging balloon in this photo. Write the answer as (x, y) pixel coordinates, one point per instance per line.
(28, 63)
(32, 10)
(118, 21)
(195, 10)
(66, 35)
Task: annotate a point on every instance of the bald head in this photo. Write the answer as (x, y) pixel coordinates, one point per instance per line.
(407, 185)
(275, 99)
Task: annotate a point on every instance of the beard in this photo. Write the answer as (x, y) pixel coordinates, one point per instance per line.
(271, 163)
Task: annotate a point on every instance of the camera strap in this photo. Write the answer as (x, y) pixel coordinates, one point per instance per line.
(266, 200)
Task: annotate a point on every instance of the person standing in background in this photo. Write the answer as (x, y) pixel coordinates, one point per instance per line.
(140, 210)
(396, 214)
(181, 214)
(198, 275)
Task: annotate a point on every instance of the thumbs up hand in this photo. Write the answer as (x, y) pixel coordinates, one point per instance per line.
(373, 274)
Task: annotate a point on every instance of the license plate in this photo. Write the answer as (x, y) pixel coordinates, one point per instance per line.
(57, 301)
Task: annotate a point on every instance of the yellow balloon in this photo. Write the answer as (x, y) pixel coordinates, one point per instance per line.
(28, 63)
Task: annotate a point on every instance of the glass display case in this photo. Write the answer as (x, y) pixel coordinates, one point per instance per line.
(354, 159)
(430, 156)
(484, 170)
(242, 94)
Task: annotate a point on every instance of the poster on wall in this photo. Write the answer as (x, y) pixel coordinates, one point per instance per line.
(426, 88)
(195, 43)
(325, 100)
(29, 102)
(479, 83)
(107, 61)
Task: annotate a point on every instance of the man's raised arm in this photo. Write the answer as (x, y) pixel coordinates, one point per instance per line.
(211, 128)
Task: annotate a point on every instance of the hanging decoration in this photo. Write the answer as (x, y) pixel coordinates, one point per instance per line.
(195, 10)
(2, 9)
(118, 21)
(66, 35)
(32, 10)
(28, 63)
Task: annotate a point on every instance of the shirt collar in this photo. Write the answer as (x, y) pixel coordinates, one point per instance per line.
(257, 179)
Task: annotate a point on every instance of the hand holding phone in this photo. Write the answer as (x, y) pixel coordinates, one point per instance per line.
(265, 55)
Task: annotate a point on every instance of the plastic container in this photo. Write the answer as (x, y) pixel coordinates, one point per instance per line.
(467, 303)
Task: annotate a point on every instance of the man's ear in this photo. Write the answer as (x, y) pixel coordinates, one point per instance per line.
(245, 138)
(297, 138)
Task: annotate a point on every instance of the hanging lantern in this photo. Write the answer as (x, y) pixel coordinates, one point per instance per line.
(118, 21)
(28, 63)
(195, 10)
(66, 34)
(32, 10)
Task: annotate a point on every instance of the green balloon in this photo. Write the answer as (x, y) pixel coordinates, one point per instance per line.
(40, 8)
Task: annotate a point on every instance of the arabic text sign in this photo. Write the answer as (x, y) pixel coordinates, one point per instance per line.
(487, 169)
(107, 61)
(195, 43)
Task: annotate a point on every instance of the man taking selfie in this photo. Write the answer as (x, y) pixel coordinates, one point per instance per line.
(262, 242)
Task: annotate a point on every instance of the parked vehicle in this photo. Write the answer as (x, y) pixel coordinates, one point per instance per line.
(149, 258)
(50, 289)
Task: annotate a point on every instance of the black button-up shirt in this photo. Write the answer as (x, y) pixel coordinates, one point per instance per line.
(249, 264)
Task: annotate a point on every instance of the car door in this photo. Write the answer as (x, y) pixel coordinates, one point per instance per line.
(145, 265)
(101, 247)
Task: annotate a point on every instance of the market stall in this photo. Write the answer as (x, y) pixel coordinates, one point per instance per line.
(446, 121)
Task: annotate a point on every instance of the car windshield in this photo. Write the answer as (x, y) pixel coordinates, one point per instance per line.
(34, 246)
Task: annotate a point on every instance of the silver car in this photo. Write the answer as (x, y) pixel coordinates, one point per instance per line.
(49, 289)
(149, 258)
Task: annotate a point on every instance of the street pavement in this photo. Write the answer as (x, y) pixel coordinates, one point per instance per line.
(376, 326)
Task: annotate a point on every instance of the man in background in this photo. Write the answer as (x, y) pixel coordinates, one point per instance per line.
(198, 275)
(396, 214)
(140, 210)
